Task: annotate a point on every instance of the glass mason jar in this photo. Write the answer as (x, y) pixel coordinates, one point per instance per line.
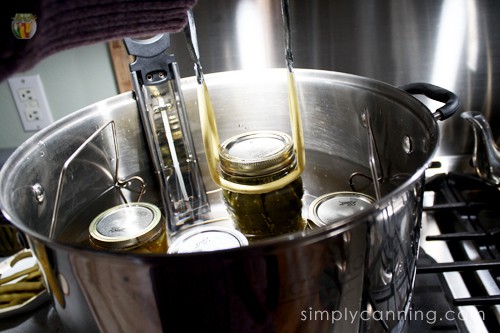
(257, 158)
(332, 207)
(135, 227)
(206, 238)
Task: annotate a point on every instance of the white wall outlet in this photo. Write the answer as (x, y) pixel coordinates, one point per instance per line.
(31, 102)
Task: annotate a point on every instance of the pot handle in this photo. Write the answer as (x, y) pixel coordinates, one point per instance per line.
(452, 103)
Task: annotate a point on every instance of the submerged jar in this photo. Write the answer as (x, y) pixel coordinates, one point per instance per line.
(333, 207)
(207, 238)
(258, 158)
(135, 227)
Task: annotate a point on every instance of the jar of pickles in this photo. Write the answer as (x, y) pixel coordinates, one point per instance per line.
(258, 158)
(134, 227)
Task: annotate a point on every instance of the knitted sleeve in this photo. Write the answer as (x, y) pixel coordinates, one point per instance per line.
(64, 24)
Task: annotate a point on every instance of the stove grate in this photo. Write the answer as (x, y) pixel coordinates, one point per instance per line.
(466, 212)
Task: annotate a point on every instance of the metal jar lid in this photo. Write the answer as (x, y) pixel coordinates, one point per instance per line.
(258, 153)
(332, 207)
(206, 239)
(126, 226)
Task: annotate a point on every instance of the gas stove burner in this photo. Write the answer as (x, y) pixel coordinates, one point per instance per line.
(461, 226)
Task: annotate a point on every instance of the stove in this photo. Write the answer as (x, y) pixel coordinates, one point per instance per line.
(458, 273)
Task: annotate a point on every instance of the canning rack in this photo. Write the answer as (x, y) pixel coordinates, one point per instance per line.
(96, 146)
(377, 175)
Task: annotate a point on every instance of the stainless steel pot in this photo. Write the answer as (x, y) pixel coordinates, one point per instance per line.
(347, 276)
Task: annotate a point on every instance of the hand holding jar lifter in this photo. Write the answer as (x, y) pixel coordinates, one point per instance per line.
(209, 126)
(155, 77)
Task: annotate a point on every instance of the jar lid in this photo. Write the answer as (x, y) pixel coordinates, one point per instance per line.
(206, 239)
(126, 226)
(258, 153)
(332, 207)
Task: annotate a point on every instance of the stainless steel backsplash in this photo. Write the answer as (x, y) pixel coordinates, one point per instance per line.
(454, 44)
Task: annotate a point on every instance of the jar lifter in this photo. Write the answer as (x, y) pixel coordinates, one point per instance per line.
(209, 127)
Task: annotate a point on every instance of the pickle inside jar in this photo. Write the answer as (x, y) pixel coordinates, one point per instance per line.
(269, 214)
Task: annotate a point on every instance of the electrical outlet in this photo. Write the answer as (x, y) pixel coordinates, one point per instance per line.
(31, 103)
(25, 94)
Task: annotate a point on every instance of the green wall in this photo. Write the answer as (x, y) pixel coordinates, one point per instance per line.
(72, 79)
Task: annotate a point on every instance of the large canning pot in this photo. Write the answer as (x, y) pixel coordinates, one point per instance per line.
(352, 275)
